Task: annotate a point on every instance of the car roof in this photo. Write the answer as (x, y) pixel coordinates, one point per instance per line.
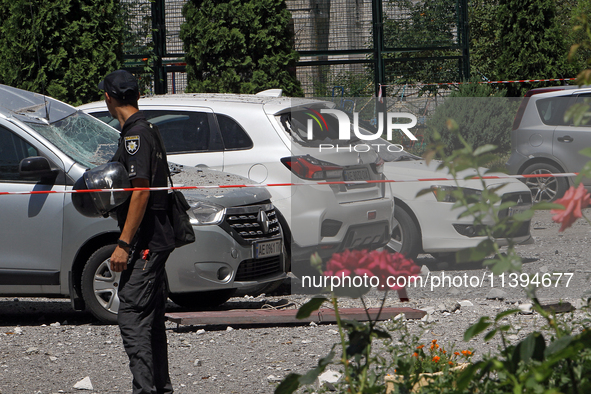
(32, 107)
(552, 91)
(272, 105)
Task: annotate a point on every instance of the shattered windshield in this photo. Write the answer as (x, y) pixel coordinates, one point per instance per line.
(83, 138)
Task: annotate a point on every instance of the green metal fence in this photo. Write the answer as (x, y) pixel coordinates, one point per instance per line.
(356, 48)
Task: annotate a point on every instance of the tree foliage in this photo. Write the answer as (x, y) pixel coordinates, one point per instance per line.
(239, 46)
(484, 38)
(532, 43)
(482, 113)
(62, 47)
(519, 39)
(419, 28)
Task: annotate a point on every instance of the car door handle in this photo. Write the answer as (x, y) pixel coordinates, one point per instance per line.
(566, 138)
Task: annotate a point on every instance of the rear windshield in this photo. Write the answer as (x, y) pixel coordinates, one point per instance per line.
(311, 129)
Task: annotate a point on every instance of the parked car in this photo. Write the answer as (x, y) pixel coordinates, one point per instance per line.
(544, 142)
(49, 249)
(427, 224)
(264, 137)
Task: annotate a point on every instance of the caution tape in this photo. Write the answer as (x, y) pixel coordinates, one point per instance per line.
(485, 82)
(560, 175)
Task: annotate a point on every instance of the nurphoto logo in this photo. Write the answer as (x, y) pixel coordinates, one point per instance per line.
(345, 124)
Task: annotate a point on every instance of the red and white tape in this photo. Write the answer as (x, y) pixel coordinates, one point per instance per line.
(567, 174)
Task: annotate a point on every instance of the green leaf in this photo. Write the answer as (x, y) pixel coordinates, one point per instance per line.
(380, 333)
(558, 345)
(576, 113)
(531, 347)
(484, 149)
(467, 376)
(489, 335)
(358, 342)
(289, 384)
(585, 152)
(422, 192)
(311, 376)
(484, 249)
(541, 206)
(476, 328)
(313, 305)
(503, 314)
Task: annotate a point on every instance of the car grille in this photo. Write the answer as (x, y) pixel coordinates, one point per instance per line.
(521, 198)
(253, 222)
(255, 269)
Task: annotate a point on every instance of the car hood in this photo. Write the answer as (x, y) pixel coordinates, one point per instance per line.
(420, 169)
(226, 197)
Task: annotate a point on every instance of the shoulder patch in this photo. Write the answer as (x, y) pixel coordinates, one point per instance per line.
(132, 144)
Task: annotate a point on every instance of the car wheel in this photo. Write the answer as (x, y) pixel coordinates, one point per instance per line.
(202, 299)
(546, 188)
(100, 286)
(406, 237)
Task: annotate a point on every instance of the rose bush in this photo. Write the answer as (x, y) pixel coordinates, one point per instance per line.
(356, 354)
(573, 201)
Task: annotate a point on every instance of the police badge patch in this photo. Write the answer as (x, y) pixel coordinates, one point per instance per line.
(132, 144)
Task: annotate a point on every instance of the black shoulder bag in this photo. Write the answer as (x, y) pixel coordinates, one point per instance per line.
(177, 205)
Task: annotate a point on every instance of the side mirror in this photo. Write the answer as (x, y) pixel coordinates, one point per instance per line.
(35, 167)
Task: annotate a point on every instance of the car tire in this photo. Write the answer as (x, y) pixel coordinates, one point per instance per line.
(406, 236)
(202, 299)
(545, 189)
(99, 286)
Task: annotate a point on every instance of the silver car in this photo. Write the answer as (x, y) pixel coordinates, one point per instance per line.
(49, 249)
(544, 142)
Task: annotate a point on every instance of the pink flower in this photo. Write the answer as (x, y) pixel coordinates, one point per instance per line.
(387, 267)
(573, 201)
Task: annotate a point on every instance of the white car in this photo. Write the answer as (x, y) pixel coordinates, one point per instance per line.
(426, 225)
(265, 139)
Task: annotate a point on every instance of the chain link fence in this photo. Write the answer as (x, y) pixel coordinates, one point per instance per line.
(348, 48)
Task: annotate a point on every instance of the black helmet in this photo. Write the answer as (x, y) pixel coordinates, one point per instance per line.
(111, 175)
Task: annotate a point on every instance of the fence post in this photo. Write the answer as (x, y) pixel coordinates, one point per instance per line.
(159, 39)
(463, 36)
(378, 44)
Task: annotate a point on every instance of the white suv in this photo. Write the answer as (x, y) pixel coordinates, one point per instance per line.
(265, 139)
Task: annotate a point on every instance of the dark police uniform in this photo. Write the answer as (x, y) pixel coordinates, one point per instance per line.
(142, 289)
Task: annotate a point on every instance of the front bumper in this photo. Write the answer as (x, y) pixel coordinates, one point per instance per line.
(224, 257)
(450, 234)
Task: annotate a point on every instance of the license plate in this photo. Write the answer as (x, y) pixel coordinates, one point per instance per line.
(517, 209)
(267, 249)
(358, 174)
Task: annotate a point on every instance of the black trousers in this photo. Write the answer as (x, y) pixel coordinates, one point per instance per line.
(142, 295)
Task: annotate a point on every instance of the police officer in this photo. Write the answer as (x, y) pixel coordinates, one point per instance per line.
(146, 239)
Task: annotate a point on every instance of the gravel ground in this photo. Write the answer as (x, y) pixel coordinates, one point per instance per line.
(45, 347)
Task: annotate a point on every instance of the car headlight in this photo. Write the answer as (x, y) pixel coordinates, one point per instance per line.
(206, 213)
(446, 193)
